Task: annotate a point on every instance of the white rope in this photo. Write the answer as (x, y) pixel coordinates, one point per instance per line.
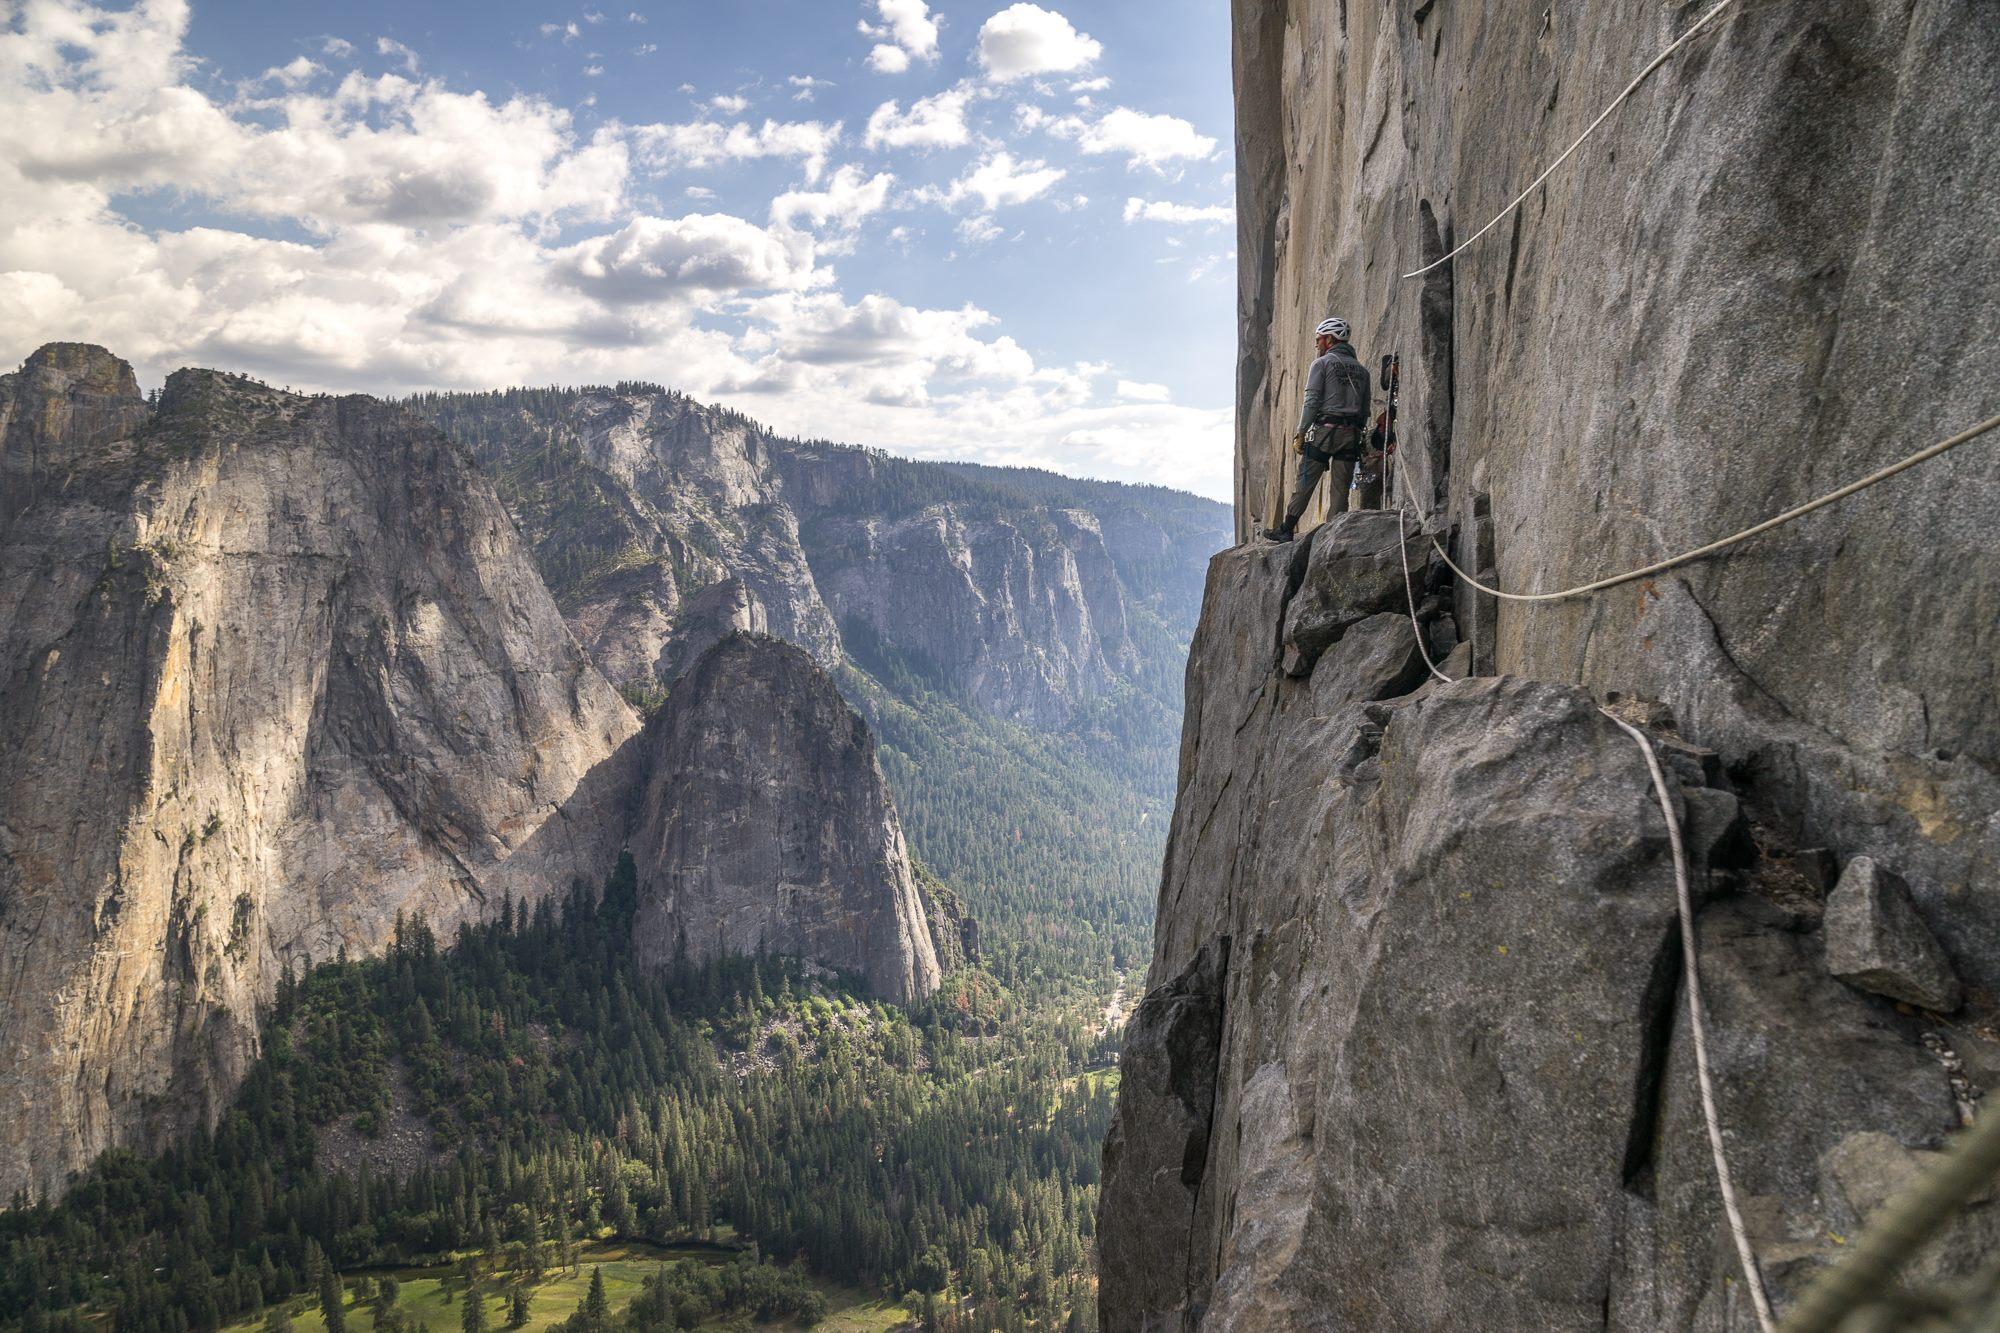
(1697, 1011)
(1698, 1021)
(1603, 116)
(1922, 455)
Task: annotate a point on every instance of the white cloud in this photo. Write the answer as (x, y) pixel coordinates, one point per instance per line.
(338, 48)
(645, 48)
(1147, 140)
(569, 32)
(847, 198)
(1160, 210)
(1129, 392)
(937, 121)
(634, 16)
(808, 87)
(732, 104)
(592, 71)
(999, 180)
(703, 143)
(389, 46)
(979, 229)
(295, 73)
(884, 59)
(1096, 85)
(1025, 39)
(593, 16)
(906, 32)
(652, 259)
(438, 237)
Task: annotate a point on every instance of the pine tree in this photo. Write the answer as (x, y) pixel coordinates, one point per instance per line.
(329, 1300)
(596, 1306)
(472, 1315)
(517, 1309)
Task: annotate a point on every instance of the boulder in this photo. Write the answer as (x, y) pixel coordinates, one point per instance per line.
(1353, 571)
(1876, 941)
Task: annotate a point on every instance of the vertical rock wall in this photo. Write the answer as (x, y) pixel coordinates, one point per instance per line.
(1414, 1052)
(1776, 269)
(272, 669)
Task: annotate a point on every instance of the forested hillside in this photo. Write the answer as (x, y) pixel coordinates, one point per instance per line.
(947, 1153)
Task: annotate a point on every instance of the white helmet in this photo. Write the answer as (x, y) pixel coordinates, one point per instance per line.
(1332, 328)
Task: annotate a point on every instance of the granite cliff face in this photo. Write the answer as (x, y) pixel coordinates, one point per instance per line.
(1029, 594)
(765, 825)
(1414, 1053)
(275, 669)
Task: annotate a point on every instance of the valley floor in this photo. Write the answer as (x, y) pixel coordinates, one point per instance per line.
(432, 1297)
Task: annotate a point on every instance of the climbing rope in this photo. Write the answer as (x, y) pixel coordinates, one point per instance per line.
(1698, 1022)
(1616, 102)
(1687, 557)
(1690, 956)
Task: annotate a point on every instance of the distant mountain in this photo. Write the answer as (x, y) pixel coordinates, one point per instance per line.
(1059, 604)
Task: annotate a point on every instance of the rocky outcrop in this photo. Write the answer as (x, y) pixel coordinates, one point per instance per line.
(1414, 1054)
(1771, 272)
(765, 825)
(272, 670)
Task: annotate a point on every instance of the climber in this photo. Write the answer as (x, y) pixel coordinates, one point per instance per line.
(1329, 433)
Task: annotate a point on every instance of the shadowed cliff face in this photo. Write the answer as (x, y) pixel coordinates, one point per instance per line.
(1414, 1051)
(765, 825)
(1773, 271)
(275, 669)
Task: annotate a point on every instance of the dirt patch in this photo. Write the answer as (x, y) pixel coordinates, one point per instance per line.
(401, 1145)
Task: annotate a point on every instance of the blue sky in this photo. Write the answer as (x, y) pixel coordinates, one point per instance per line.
(997, 230)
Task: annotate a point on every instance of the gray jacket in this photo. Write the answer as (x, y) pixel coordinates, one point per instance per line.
(1337, 390)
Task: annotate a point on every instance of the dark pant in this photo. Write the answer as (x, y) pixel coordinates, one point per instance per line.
(1343, 446)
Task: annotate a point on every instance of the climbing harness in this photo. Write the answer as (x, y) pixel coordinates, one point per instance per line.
(1658, 60)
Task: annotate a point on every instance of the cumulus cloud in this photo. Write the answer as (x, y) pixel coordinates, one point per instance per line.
(1147, 140)
(337, 48)
(1160, 210)
(652, 259)
(569, 32)
(999, 179)
(1129, 392)
(732, 104)
(432, 236)
(937, 121)
(1025, 39)
(847, 199)
(905, 33)
(294, 73)
(808, 87)
(704, 143)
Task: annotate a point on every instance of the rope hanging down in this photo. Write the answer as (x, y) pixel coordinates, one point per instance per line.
(1688, 557)
(1690, 956)
(1698, 1023)
(1616, 102)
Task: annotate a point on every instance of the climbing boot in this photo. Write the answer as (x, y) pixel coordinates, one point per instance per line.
(1283, 534)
